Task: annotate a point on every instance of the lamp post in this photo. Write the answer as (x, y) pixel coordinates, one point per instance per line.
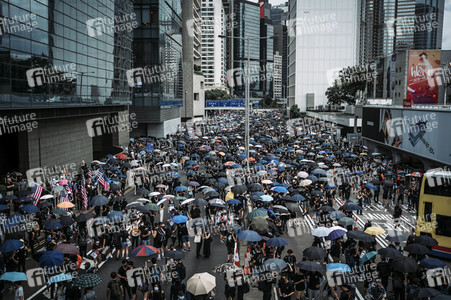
(248, 90)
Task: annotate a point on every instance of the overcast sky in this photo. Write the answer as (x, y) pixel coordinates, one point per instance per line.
(446, 43)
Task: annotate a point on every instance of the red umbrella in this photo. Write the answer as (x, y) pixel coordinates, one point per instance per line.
(144, 250)
(121, 156)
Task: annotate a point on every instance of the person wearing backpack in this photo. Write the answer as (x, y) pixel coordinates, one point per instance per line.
(72, 292)
(115, 291)
(82, 244)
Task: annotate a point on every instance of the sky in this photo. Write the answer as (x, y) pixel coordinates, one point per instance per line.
(446, 41)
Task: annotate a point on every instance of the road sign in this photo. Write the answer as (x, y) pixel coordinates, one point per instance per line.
(352, 137)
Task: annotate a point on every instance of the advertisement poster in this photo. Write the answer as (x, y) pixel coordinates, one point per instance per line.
(427, 134)
(423, 76)
(391, 127)
(370, 124)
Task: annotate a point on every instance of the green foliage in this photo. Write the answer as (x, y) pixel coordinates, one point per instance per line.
(217, 94)
(347, 86)
(295, 112)
(267, 102)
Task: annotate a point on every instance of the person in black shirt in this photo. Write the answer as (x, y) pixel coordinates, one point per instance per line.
(290, 259)
(122, 274)
(286, 288)
(314, 280)
(299, 284)
(346, 293)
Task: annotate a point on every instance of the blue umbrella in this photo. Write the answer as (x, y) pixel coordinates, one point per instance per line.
(52, 224)
(237, 166)
(276, 242)
(223, 180)
(175, 175)
(179, 219)
(14, 276)
(10, 246)
(249, 235)
(180, 188)
(358, 172)
(60, 278)
(280, 189)
(298, 197)
(371, 186)
(51, 259)
(3, 207)
(274, 264)
(30, 208)
(330, 186)
(115, 215)
(337, 233)
(337, 267)
(367, 257)
(432, 263)
(233, 202)
(337, 215)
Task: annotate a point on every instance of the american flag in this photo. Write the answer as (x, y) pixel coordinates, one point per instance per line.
(36, 193)
(103, 180)
(64, 197)
(89, 173)
(83, 192)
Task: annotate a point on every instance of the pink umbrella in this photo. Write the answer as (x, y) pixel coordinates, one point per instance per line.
(63, 182)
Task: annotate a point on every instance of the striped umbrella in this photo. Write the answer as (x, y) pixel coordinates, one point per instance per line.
(144, 250)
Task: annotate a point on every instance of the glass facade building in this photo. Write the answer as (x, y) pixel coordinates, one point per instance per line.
(158, 47)
(64, 53)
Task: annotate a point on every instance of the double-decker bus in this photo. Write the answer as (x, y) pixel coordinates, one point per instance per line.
(434, 210)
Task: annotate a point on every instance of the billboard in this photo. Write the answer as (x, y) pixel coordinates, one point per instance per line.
(370, 124)
(423, 76)
(391, 127)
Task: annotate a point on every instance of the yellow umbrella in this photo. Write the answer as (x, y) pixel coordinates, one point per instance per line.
(66, 204)
(374, 230)
(363, 154)
(221, 153)
(229, 196)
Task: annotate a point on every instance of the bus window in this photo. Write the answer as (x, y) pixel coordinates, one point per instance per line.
(443, 225)
(427, 211)
(439, 186)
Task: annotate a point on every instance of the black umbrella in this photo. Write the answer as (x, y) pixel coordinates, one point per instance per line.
(426, 292)
(100, 200)
(404, 264)
(426, 240)
(256, 187)
(212, 194)
(317, 193)
(175, 254)
(310, 266)
(416, 249)
(388, 183)
(360, 236)
(314, 253)
(84, 217)
(142, 191)
(389, 253)
(396, 238)
(200, 202)
(327, 208)
(239, 189)
(66, 221)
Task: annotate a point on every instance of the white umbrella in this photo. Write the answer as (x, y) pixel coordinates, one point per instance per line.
(201, 284)
(321, 231)
(168, 196)
(162, 201)
(142, 200)
(305, 182)
(303, 174)
(46, 197)
(154, 194)
(187, 201)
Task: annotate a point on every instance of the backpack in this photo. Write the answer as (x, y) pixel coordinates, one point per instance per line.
(72, 292)
(246, 288)
(182, 271)
(115, 290)
(82, 241)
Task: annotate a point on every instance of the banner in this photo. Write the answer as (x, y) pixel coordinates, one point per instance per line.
(423, 76)
(391, 127)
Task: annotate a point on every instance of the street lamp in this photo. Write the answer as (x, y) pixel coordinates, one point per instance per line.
(248, 90)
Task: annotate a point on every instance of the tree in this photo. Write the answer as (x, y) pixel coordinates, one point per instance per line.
(347, 86)
(217, 94)
(295, 112)
(266, 102)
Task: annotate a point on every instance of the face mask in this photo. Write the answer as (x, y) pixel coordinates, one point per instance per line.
(155, 288)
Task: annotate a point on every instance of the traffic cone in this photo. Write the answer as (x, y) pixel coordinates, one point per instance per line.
(236, 256)
(356, 227)
(247, 258)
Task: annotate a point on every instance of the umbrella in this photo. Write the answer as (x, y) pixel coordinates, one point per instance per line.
(416, 249)
(13, 276)
(374, 230)
(310, 266)
(144, 250)
(338, 267)
(389, 252)
(396, 237)
(66, 249)
(11, 245)
(326, 208)
(321, 231)
(179, 219)
(257, 213)
(337, 215)
(153, 206)
(4, 207)
(65, 204)
(141, 191)
(175, 254)
(115, 216)
(60, 278)
(30, 208)
(367, 257)
(153, 194)
(84, 217)
(432, 263)
(315, 253)
(425, 292)
(346, 221)
(350, 207)
(426, 240)
(404, 264)
(260, 224)
(305, 182)
(280, 190)
(233, 202)
(335, 234)
(239, 189)
(51, 259)
(249, 235)
(87, 280)
(201, 284)
(274, 264)
(360, 236)
(200, 202)
(276, 242)
(59, 211)
(52, 224)
(371, 186)
(222, 268)
(266, 198)
(180, 188)
(100, 200)
(66, 221)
